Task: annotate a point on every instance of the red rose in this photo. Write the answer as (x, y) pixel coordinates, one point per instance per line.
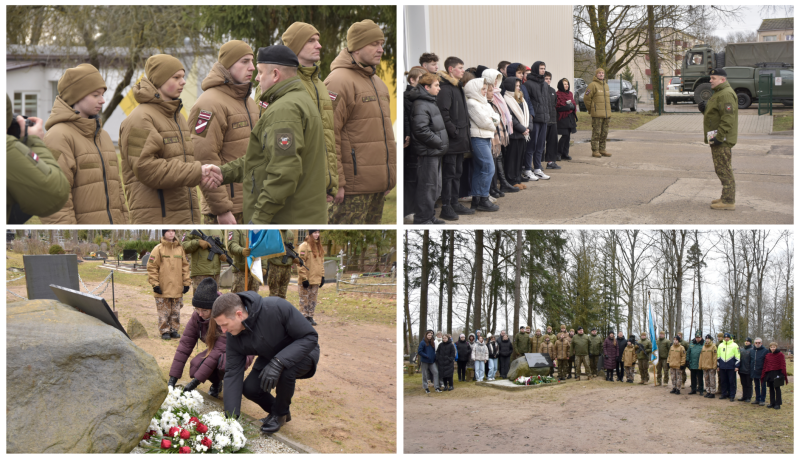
(146, 436)
(206, 442)
(185, 434)
(152, 432)
(201, 428)
(193, 420)
(166, 444)
(184, 450)
(173, 431)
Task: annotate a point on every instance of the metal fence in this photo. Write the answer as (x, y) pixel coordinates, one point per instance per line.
(379, 277)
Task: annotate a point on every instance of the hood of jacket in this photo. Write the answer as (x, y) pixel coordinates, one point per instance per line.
(345, 60)
(493, 77)
(511, 70)
(219, 77)
(472, 90)
(422, 94)
(63, 113)
(509, 84)
(599, 81)
(534, 75)
(145, 93)
(446, 78)
(560, 86)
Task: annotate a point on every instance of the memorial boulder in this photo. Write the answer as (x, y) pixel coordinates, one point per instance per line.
(75, 384)
(519, 367)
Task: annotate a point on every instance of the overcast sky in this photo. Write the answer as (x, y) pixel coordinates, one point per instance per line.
(750, 20)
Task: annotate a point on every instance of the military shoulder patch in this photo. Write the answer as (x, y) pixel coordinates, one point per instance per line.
(202, 122)
(369, 99)
(728, 108)
(169, 140)
(262, 104)
(285, 140)
(333, 95)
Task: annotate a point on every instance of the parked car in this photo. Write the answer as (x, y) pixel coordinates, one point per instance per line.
(627, 98)
(673, 94)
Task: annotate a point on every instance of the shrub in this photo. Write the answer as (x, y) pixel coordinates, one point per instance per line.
(56, 249)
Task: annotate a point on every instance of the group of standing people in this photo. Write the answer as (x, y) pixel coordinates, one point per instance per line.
(309, 151)
(479, 133)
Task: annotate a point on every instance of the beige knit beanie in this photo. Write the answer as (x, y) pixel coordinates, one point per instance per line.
(232, 51)
(160, 68)
(297, 35)
(363, 33)
(78, 82)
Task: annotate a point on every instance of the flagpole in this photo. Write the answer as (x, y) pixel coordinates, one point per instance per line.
(246, 266)
(650, 314)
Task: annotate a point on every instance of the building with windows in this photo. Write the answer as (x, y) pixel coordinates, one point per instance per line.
(779, 29)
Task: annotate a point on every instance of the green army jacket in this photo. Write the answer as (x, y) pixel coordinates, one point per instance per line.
(722, 115)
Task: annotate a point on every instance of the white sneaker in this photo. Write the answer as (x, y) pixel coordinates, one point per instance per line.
(531, 176)
(465, 199)
(541, 175)
(492, 199)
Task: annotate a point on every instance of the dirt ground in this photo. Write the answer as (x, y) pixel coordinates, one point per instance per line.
(596, 417)
(342, 409)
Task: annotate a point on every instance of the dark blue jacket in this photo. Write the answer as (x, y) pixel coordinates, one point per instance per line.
(426, 352)
(757, 363)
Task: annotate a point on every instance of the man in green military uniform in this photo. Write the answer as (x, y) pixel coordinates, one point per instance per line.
(285, 166)
(238, 248)
(522, 343)
(643, 352)
(536, 340)
(663, 345)
(595, 350)
(580, 349)
(571, 365)
(685, 345)
(551, 334)
(279, 272)
(201, 267)
(721, 115)
(35, 184)
(303, 40)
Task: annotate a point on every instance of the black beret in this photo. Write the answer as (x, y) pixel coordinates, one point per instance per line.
(593, 329)
(579, 328)
(277, 55)
(719, 72)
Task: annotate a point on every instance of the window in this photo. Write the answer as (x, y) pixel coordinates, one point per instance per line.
(770, 37)
(26, 103)
(54, 89)
(696, 58)
(787, 74)
(790, 38)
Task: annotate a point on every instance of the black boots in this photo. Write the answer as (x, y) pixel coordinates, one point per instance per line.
(448, 213)
(501, 174)
(484, 204)
(273, 423)
(460, 209)
(215, 389)
(692, 392)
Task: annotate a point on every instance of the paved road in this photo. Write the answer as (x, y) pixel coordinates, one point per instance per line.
(748, 123)
(655, 178)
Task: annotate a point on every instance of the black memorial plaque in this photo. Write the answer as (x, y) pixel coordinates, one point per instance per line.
(92, 305)
(43, 270)
(539, 360)
(102, 254)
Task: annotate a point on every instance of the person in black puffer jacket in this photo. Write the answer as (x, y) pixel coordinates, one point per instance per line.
(464, 354)
(430, 142)
(621, 344)
(747, 360)
(551, 143)
(409, 157)
(506, 348)
(453, 106)
(494, 354)
(445, 360)
(540, 99)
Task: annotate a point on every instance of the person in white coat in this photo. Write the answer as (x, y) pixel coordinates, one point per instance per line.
(483, 120)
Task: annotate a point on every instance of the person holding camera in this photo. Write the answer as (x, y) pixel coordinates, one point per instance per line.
(88, 156)
(35, 184)
(311, 276)
(168, 274)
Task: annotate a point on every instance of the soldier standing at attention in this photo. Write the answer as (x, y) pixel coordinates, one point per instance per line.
(597, 100)
(721, 114)
(677, 358)
(168, 274)
(311, 276)
(221, 121)
(536, 340)
(201, 266)
(663, 345)
(35, 184)
(522, 343)
(279, 272)
(238, 247)
(365, 145)
(643, 351)
(570, 336)
(547, 347)
(708, 365)
(562, 355)
(580, 349)
(595, 350)
(685, 345)
(629, 359)
(551, 334)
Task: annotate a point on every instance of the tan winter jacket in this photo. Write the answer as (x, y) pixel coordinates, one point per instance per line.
(677, 356)
(597, 99)
(169, 269)
(629, 356)
(222, 134)
(562, 348)
(158, 165)
(89, 161)
(708, 357)
(314, 265)
(365, 145)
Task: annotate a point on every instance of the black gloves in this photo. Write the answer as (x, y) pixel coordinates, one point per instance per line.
(157, 289)
(322, 283)
(715, 142)
(702, 106)
(270, 374)
(192, 385)
(305, 283)
(185, 289)
(172, 381)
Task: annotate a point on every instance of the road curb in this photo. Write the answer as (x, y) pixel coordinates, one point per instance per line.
(791, 132)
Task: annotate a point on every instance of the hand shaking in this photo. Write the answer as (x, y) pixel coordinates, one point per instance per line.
(212, 177)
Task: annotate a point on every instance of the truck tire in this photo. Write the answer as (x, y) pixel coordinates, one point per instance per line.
(703, 92)
(744, 100)
(633, 108)
(788, 103)
(720, 58)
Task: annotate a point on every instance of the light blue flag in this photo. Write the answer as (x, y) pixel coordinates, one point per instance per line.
(652, 324)
(266, 244)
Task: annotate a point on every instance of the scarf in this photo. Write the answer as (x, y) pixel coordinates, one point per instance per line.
(561, 100)
(520, 113)
(499, 101)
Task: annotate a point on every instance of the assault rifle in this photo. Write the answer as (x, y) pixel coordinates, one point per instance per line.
(290, 253)
(215, 247)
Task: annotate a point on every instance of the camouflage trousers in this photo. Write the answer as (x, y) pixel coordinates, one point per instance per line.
(209, 219)
(278, 280)
(563, 365)
(585, 360)
(593, 364)
(721, 154)
(253, 283)
(683, 376)
(197, 279)
(662, 365)
(644, 369)
(599, 134)
(169, 314)
(629, 373)
(710, 380)
(358, 209)
(308, 299)
(676, 377)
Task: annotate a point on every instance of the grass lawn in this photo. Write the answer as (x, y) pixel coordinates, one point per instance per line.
(783, 122)
(619, 120)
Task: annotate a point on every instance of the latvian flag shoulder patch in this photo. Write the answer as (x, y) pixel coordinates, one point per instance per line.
(333, 95)
(263, 104)
(202, 121)
(230, 236)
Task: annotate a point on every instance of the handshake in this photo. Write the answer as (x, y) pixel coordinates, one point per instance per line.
(212, 177)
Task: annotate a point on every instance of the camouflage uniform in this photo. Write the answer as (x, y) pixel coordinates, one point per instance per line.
(721, 154)
(663, 345)
(358, 209)
(212, 219)
(253, 283)
(197, 279)
(308, 299)
(643, 359)
(722, 114)
(599, 133)
(278, 280)
(169, 314)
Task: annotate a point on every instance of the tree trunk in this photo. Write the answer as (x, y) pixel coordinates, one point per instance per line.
(441, 281)
(423, 291)
(450, 285)
(517, 279)
(653, 49)
(478, 278)
(406, 306)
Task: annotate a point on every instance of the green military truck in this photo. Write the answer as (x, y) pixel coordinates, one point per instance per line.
(775, 58)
